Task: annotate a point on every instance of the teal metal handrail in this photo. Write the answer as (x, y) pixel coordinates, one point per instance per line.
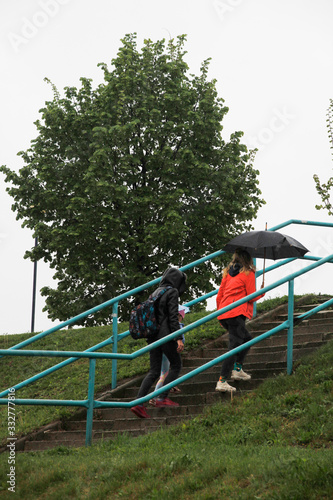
(302, 223)
(114, 302)
(111, 302)
(110, 340)
(185, 329)
(113, 339)
(90, 403)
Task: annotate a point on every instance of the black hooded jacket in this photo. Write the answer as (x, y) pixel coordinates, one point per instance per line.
(167, 307)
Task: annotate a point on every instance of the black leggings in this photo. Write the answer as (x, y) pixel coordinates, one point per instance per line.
(170, 350)
(238, 335)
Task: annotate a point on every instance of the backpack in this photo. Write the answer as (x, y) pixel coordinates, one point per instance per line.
(143, 322)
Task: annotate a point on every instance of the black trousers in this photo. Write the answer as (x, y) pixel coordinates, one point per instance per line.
(170, 350)
(238, 335)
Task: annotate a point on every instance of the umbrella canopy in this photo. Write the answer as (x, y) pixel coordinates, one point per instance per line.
(267, 244)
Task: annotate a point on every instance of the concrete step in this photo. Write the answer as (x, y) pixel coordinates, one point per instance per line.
(325, 314)
(307, 307)
(306, 324)
(256, 370)
(266, 353)
(123, 413)
(253, 354)
(199, 399)
(78, 439)
(256, 361)
(205, 380)
(111, 426)
(300, 336)
(193, 387)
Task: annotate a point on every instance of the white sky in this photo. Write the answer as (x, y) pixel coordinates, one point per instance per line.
(273, 63)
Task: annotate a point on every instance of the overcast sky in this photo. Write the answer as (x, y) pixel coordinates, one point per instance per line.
(272, 60)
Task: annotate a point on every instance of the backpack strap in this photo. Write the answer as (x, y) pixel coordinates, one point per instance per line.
(160, 293)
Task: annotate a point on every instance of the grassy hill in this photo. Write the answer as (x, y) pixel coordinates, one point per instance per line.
(71, 382)
(275, 443)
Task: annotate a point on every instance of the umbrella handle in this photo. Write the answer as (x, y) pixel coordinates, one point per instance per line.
(263, 271)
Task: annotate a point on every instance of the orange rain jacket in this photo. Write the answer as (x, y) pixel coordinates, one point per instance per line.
(233, 288)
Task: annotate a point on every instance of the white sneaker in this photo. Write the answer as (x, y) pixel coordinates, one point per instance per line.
(224, 387)
(240, 375)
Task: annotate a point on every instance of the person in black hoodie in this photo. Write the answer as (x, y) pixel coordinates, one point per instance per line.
(167, 317)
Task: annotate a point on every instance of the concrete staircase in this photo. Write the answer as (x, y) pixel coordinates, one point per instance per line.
(266, 359)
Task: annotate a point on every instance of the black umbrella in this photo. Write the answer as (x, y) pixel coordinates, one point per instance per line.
(267, 244)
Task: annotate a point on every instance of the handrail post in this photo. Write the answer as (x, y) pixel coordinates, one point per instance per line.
(290, 338)
(90, 410)
(115, 343)
(255, 303)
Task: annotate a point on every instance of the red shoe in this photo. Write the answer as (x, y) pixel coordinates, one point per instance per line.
(165, 402)
(140, 411)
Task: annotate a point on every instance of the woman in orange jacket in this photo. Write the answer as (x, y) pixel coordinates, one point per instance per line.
(238, 281)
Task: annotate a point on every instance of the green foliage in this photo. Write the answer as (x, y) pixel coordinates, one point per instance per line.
(324, 190)
(268, 304)
(128, 178)
(258, 446)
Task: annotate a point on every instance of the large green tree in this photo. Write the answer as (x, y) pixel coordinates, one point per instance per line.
(130, 177)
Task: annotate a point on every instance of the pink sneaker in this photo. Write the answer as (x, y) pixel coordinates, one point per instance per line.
(140, 411)
(165, 402)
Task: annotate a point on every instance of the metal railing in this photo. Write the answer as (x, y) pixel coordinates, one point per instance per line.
(90, 403)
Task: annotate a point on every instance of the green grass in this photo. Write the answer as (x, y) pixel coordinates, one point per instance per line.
(275, 443)
(71, 382)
